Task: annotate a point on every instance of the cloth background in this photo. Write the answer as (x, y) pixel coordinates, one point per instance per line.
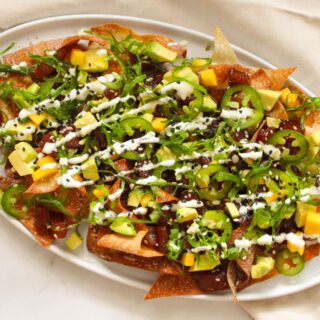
(285, 33)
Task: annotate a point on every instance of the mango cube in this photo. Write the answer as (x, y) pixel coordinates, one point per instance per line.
(288, 98)
(188, 259)
(37, 119)
(312, 225)
(146, 198)
(292, 244)
(159, 124)
(86, 119)
(77, 57)
(208, 78)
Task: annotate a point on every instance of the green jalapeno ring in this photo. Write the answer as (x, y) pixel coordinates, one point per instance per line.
(289, 263)
(299, 141)
(255, 100)
(11, 197)
(275, 179)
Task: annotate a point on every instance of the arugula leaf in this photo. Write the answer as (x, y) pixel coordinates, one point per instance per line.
(65, 111)
(51, 202)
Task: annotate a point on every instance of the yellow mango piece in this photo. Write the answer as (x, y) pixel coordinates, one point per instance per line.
(312, 225)
(208, 78)
(288, 98)
(303, 209)
(43, 173)
(45, 160)
(77, 57)
(146, 198)
(198, 63)
(188, 259)
(159, 124)
(275, 196)
(37, 118)
(101, 192)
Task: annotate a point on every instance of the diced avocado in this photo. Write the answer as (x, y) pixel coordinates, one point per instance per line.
(26, 151)
(86, 119)
(214, 219)
(273, 122)
(19, 130)
(186, 73)
(90, 169)
(303, 209)
(134, 197)
(232, 209)
(164, 153)
(159, 53)
(82, 77)
(33, 88)
(186, 214)
(269, 98)
(262, 267)
(314, 138)
(147, 116)
(205, 261)
(208, 104)
(94, 62)
(74, 241)
(18, 164)
(123, 226)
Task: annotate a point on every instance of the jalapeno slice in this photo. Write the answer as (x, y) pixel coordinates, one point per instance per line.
(274, 180)
(253, 100)
(215, 182)
(289, 263)
(291, 141)
(12, 202)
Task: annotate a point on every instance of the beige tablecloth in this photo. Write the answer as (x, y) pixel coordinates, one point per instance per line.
(286, 33)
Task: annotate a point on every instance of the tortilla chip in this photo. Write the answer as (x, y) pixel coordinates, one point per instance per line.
(260, 80)
(222, 72)
(29, 221)
(279, 77)
(278, 112)
(40, 47)
(44, 186)
(256, 134)
(6, 182)
(158, 264)
(127, 244)
(121, 32)
(169, 286)
(223, 52)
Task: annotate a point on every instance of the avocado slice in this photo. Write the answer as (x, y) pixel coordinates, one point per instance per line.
(164, 153)
(232, 209)
(26, 151)
(158, 53)
(314, 138)
(269, 98)
(123, 226)
(19, 129)
(205, 261)
(273, 122)
(185, 214)
(214, 219)
(18, 164)
(262, 267)
(90, 169)
(208, 104)
(134, 197)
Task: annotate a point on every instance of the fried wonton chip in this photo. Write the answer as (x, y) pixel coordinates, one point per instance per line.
(121, 32)
(127, 244)
(30, 222)
(50, 45)
(49, 184)
(168, 286)
(278, 112)
(312, 122)
(279, 77)
(260, 80)
(159, 264)
(223, 52)
(6, 182)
